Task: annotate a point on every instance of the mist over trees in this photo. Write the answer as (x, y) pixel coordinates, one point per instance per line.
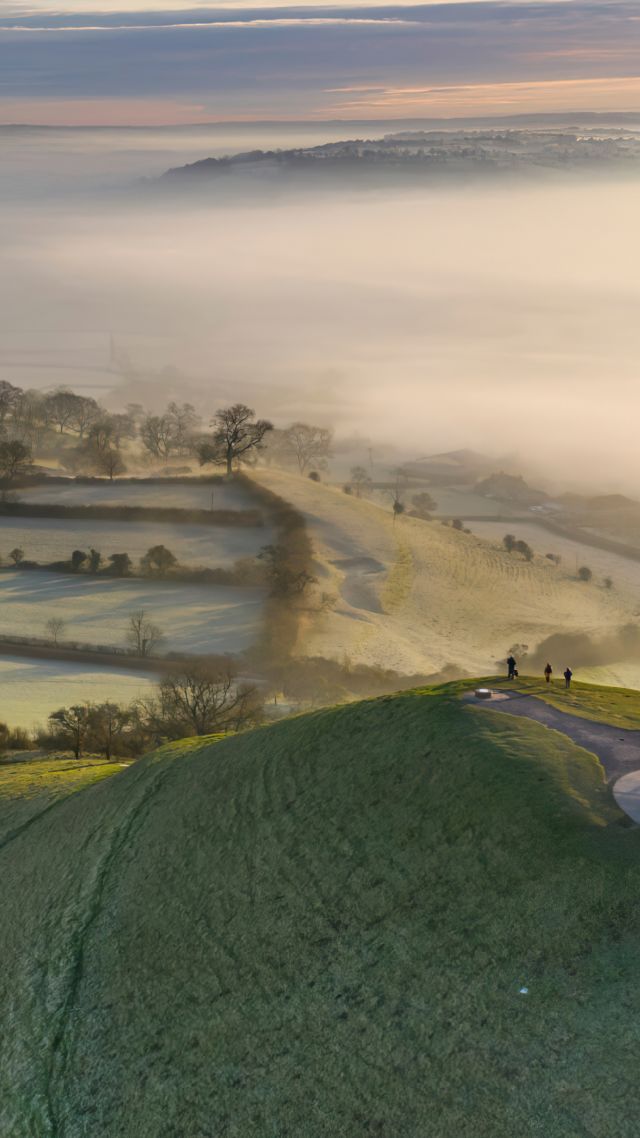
(87, 439)
(236, 438)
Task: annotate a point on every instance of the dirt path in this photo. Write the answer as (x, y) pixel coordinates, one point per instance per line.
(617, 748)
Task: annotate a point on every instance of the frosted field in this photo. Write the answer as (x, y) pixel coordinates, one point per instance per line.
(452, 503)
(624, 573)
(194, 618)
(30, 690)
(181, 496)
(466, 504)
(417, 596)
(54, 539)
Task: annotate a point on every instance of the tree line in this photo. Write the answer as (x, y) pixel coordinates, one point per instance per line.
(195, 699)
(89, 439)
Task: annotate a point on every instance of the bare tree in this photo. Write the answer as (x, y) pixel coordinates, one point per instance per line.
(201, 699)
(143, 635)
(158, 435)
(107, 724)
(237, 436)
(85, 412)
(55, 626)
(360, 480)
(73, 725)
(308, 445)
(103, 435)
(110, 462)
(185, 419)
(60, 407)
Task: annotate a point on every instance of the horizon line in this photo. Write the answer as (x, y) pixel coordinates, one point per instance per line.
(572, 114)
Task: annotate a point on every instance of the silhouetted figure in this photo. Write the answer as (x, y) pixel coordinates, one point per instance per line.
(511, 665)
(548, 672)
(567, 677)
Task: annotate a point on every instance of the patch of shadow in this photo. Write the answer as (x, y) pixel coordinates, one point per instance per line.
(360, 564)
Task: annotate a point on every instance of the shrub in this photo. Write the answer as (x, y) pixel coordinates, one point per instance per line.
(584, 573)
(525, 549)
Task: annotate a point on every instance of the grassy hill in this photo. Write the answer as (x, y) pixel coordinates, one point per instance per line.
(418, 596)
(322, 928)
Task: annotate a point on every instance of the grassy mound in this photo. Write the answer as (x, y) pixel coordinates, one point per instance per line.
(321, 928)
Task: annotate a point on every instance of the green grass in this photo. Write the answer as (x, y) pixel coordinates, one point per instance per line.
(321, 928)
(29, 788)
(618, 706)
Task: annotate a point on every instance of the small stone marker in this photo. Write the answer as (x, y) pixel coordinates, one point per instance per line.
(483, 693)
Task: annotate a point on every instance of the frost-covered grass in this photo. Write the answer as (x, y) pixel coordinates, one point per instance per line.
(33, 689)
(404, 918)
(188, 496)
(194, 618)
(418, 596)
(624, 572)
(451, 502)
(53, 539)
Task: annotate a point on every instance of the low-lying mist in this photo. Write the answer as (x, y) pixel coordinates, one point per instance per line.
(501, 318)
(581, 650)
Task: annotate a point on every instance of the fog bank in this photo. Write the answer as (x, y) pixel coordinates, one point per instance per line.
(501, 318)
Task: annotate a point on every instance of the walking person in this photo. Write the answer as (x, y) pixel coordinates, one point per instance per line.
(567, 677)
(511, 665)
(548, 673)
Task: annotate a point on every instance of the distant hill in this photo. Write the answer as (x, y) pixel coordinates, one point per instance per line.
(392, 918)
(510, 488)
(418, 155)
(455, 466)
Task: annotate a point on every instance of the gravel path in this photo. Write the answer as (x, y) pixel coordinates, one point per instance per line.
(617, 748)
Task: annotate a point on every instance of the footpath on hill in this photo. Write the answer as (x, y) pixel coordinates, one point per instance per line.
(617, 748)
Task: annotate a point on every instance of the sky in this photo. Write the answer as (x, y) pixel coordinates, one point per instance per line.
(155, 62)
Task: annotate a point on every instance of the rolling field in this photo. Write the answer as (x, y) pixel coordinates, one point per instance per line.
(225, 496)
(417, 596)
(53, 539)
(33, 689)
(405, 917)
(624, 572)
(455, 503)
(194, 618)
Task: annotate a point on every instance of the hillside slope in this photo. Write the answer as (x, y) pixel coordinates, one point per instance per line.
(417, 596)
(322, 928)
